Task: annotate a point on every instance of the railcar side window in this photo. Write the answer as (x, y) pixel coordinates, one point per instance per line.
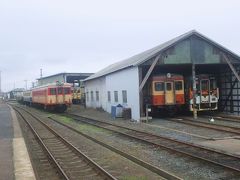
(178, 85)
(60, 90)
(53, 91)
(66, 90)
(159, 86)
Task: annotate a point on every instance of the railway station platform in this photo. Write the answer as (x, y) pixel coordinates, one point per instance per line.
(14, 159)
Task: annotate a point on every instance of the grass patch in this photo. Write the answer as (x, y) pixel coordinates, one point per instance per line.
(79, 126)
(64, 119)
(90, 128)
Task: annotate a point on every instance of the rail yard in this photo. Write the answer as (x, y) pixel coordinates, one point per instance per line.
(89, 144)
(171, 112)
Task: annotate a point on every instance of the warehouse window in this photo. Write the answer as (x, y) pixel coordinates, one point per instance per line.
(115, 96)
(124, 96)
(87, 94)
(97, 95)
(91, 95)
(109, 96)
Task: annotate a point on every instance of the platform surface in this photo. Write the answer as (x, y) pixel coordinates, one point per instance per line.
(14, 159)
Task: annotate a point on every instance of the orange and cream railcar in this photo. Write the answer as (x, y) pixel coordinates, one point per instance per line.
(54, 96)
(167, 92)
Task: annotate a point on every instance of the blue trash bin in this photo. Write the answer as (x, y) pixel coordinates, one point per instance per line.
(117, 111)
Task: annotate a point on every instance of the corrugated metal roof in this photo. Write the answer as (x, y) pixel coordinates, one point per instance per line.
(146, 55)
(68, 74)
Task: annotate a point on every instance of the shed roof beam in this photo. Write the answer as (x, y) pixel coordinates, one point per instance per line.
(149, 73)
(231, 67)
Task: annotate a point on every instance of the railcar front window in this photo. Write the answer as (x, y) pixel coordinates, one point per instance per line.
(159, 86)
(60, 90)
(205, 85)
(66, 90)
(178, 85)
(52, 91)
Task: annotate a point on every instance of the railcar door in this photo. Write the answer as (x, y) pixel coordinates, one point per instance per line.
(169, 93)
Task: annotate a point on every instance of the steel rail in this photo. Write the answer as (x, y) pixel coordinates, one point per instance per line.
(49, 154)
(144, 134)
(223, 118)
(138, 161)
(85, 157)
(218, 127)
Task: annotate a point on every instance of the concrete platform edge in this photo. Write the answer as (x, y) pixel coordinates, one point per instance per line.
(22, 163)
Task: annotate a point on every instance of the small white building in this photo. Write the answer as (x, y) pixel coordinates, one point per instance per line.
(120, 87)
(126, 82)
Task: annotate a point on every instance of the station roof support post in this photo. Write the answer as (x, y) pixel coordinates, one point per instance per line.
(194, 86)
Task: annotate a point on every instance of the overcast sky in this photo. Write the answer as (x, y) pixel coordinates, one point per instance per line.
(86, 36)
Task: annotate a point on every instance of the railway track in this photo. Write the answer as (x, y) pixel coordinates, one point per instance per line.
(224, 118)
(227, 161)
(218, 127)
(136, 160)
(70, 162)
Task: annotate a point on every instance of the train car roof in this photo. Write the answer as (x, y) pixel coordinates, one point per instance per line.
(52, 85)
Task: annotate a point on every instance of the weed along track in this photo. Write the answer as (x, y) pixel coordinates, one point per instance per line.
(227, 161)
(141, 166)
(70, 162)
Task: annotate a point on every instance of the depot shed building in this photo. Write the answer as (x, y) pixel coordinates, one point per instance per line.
(125, 82)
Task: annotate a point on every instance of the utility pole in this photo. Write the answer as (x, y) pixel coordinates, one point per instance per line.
(41, 73)
(26, 84)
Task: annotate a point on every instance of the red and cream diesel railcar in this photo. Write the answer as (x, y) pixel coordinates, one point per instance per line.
(53, 96)
(207, 93)
(172, 93)
(167, 92)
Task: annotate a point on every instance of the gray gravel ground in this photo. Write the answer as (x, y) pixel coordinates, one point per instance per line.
(223, 121)
(162, 127)
(201, 131)
(173, 162)
(115, 164)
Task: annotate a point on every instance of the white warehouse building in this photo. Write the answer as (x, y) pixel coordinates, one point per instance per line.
(127, 82)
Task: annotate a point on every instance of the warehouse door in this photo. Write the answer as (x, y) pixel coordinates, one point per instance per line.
(169, 93)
